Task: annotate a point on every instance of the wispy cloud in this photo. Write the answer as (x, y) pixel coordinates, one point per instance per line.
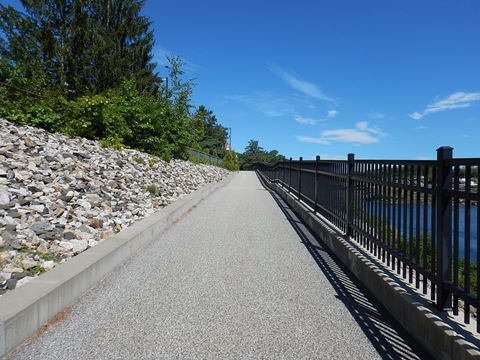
(266, 103)
(310, 121)
(456, 100)
(363, 125)
(160, 57)
(376, 116)
(331, 114)
(361, 134)
(421, 127)
(299, 84)
(305, 120)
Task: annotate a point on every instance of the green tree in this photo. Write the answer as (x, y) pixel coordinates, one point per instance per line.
(254, 153)
(83, 46)
(209, 135)
(230, 161)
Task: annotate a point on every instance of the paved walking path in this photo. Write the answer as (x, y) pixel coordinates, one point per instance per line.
(235, 279)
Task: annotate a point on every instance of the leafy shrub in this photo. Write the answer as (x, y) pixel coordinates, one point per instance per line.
(230, 161)
(152, 189)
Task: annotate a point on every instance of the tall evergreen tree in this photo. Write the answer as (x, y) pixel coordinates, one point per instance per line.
(83, 46)
(209, 134)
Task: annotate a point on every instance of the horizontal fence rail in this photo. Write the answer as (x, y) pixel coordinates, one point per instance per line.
(202, 156)
(421, 218)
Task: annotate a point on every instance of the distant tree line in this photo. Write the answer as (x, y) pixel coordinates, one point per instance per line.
(256, 154)
(84, 68)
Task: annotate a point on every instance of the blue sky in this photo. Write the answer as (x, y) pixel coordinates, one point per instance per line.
(381, 79)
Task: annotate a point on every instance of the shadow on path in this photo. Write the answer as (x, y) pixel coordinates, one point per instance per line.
(383, 331)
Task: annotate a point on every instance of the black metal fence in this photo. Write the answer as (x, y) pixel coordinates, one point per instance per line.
(419, 217)
(204, 157)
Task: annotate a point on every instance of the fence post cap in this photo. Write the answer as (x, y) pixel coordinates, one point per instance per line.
(317, 157)
(445, 148)
(290, 159)
(301, 158)
(444, 152)
(351, 156)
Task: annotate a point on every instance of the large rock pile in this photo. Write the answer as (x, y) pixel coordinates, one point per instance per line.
(60, 195)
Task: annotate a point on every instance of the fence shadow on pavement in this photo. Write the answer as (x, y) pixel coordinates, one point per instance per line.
(383, 331)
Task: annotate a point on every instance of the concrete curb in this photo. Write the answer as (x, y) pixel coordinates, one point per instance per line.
(435, 335)
(24, 310)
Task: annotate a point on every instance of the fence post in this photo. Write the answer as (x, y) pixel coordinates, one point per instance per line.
(300, 179)
(317, 159)
(349, 194)
(290, 177)
(444, 227)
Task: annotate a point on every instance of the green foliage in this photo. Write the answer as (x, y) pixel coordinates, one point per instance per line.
(83, 67)
(152, 162)
(230, 161)
(139, 160)
(153, 190)
(83, 46)
(47, 257)
(256, 154)
(209, 136)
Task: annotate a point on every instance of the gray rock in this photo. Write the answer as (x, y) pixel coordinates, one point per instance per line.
(16, 244)
(5, 276)
(28, 263)
(41, 227)
(79, 245)
(7, 206)
(11, 283)
(9, 235)
(69, 235)
(13, 214)
(4, 198)
(87, 229)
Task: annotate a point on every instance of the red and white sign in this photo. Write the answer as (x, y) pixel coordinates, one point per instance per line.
(227, 146)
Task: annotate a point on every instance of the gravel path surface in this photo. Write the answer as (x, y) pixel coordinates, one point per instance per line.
(232, 280)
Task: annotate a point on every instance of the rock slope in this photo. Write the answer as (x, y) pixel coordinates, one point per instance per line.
(60, 196)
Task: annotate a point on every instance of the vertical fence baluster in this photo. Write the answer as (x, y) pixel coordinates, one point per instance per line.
(349, 203)
(317, 159)
(300, 179)
(456, 221)
(467, 268)
(444, 226)
(425, 227)
(290, 177)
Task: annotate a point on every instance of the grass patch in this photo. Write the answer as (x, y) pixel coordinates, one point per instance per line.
(139, 160)
(153, 190)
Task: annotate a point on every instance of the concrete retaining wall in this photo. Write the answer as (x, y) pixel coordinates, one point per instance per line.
(24, 310)
(434, 334)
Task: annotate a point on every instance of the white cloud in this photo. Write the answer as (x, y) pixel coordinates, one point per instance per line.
(301, 85)
(456, 100)
(362, 134)
(416, 115)
(331, 114)
(309, 121)
(421, 127)
(305, 120)
(314, 140)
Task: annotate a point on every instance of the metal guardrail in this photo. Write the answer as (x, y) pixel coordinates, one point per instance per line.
(202, 156)
(421, 218)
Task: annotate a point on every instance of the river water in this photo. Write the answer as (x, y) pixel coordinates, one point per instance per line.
(461, 224)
